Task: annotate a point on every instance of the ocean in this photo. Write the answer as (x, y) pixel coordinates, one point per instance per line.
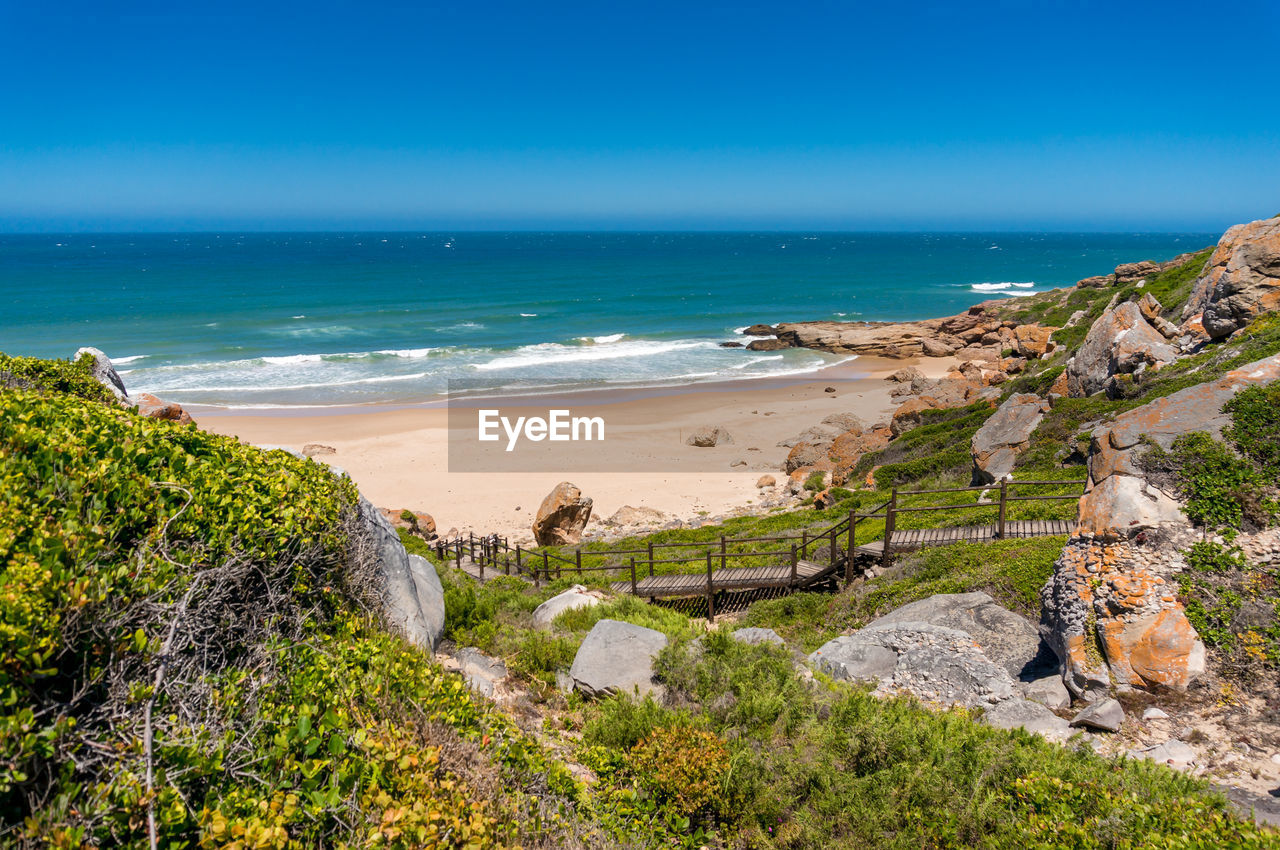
(268, 320)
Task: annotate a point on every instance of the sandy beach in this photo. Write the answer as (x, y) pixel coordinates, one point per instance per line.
(399, 456)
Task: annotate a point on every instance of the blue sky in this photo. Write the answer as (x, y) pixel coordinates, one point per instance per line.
(1014, 115)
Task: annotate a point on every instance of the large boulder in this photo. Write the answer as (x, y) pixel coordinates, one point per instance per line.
(154, 408)
(1005, 435)
(1008, 639)
(1121, 341)
(708, 436)
(1241, 279)
(1029, 716)
(1032, 341)
(617, 657)
(104, 372)
(806, 454)
(562, 516)
(847, 450)
(934, 663)
(412, 597)
(575, 597)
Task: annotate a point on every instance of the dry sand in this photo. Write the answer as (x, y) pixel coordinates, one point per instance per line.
(399, 457)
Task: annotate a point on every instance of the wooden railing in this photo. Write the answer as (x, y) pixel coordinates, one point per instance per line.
(494, 552)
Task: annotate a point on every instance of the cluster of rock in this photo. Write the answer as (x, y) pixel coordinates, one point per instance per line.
(145, 403)
(1127, 273)
(1240, 281)
(1127, 339)
(975, 335)
(1110, 610)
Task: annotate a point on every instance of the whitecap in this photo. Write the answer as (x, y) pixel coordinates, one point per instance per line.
(550, 353)
(602, 340)
(131, 359)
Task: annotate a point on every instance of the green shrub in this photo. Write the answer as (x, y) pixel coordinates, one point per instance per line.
(815, 481)
(62, 377)
(1255, 427)
(620, 722)
(683, 767)
(1221, 489)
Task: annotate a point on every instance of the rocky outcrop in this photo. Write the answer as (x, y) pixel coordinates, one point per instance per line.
(154, 408)
(1104, 715)
(1111, 609)
(1127, 273)
(767, 345)
(412, 597)
(1005, 435)
(105, 373)
(759, 330)
(1240, 281)
(934, 663)
(847, 450)
(617, 657)
(1120, 342)
(806, 454)
(708, 436)
(1006, 638)
(562, 516)
(941, 394)
(966, 334)
(575, 597)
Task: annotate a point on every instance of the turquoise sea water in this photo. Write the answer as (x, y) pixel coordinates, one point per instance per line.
(265, 320)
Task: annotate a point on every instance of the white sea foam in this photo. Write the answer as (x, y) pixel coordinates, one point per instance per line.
(602, 340)
(133, 358)
(1001, 286)
(406, 352)
(551, 353)
(529, 315)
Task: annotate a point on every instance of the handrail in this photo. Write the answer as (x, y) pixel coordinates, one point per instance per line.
(495, 551)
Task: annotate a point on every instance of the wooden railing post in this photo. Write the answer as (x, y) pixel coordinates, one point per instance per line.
(1004, 495)
(848, 555)
(835, 560)
(578, 559)
(890, 518)
(711, 593)
(795, 561)
(724, 557)
(650, 558)
(518, 554)
(459, 543)
(633, 575)
(804, 541)
(546, 570)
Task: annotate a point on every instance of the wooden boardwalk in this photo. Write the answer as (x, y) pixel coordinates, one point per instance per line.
(732, 578)
(908, 540)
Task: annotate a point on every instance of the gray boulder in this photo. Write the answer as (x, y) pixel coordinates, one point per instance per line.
(1173, 752)
(481, 672)
(1049, 691)
(934, 663)
(1028, 715)
(708, 436)
(816, 435)
(1119, 342)
(757, 636)
(1010, 640)
(1005, 435)
(844, 422)
(1107, 715)
(575, 597)
(105, 373)
(412, 597)
(617, 657)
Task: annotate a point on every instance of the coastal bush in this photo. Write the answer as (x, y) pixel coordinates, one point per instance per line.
(683, 767)
(829, 765)
(1255, 427)
(63, 377)
(194, 654)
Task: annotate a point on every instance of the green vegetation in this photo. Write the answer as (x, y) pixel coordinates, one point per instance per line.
(189, 637)
(764, 759)
(46, 377)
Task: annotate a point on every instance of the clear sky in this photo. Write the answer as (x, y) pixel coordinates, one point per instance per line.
(471, 114)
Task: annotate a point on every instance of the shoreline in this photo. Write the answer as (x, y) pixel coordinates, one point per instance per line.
(399, 454)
